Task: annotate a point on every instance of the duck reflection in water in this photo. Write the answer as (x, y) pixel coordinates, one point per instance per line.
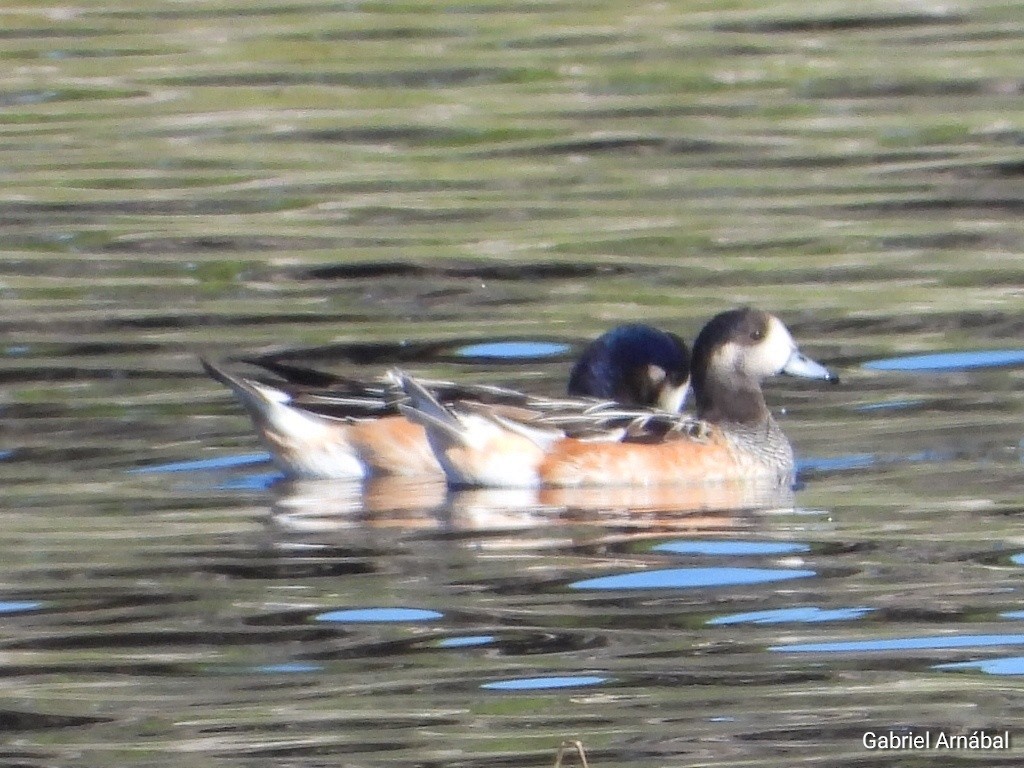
(306, 506)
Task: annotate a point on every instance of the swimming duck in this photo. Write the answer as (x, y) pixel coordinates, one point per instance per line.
(306, 421)
(634, 365)
(731, 437)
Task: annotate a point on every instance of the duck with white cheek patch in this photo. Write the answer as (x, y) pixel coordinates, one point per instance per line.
(319, 426)
(731, 437)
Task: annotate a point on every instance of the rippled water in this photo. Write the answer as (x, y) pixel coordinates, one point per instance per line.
(472, 190)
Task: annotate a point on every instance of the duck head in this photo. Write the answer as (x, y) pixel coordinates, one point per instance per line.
(734, 353)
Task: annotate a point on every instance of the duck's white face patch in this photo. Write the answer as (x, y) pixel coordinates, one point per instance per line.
(774, 353)
(760, 359)
(656, 374)
(672, 399)
(769, 356)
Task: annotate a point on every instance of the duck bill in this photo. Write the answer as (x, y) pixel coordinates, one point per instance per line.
(802, 366)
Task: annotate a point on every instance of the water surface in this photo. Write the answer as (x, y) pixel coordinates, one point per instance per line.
(473, 190)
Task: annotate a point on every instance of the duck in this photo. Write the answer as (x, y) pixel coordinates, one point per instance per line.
(319, 426)
(730, 437)
(634, 364)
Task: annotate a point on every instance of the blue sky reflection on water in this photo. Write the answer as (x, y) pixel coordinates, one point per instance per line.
(290, 668)
(545, 683)
(949, 361)
(378, 615)
(729, 548)
(869, 460)
(466, 641)
(1007, 665)
(201, 465)
(19, 606)
(514, 350)
(805, 615)
(928, 642)
(684, 578)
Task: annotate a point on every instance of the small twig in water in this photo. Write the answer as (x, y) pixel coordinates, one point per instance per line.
(568, 745)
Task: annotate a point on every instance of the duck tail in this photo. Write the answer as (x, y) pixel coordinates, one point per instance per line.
(302, 443)
(426, 410)
(258, 399)
(474, 446)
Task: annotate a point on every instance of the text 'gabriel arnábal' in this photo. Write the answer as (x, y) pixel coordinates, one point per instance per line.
(909, 740)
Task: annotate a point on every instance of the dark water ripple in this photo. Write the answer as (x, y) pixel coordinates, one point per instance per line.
(884, 21)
